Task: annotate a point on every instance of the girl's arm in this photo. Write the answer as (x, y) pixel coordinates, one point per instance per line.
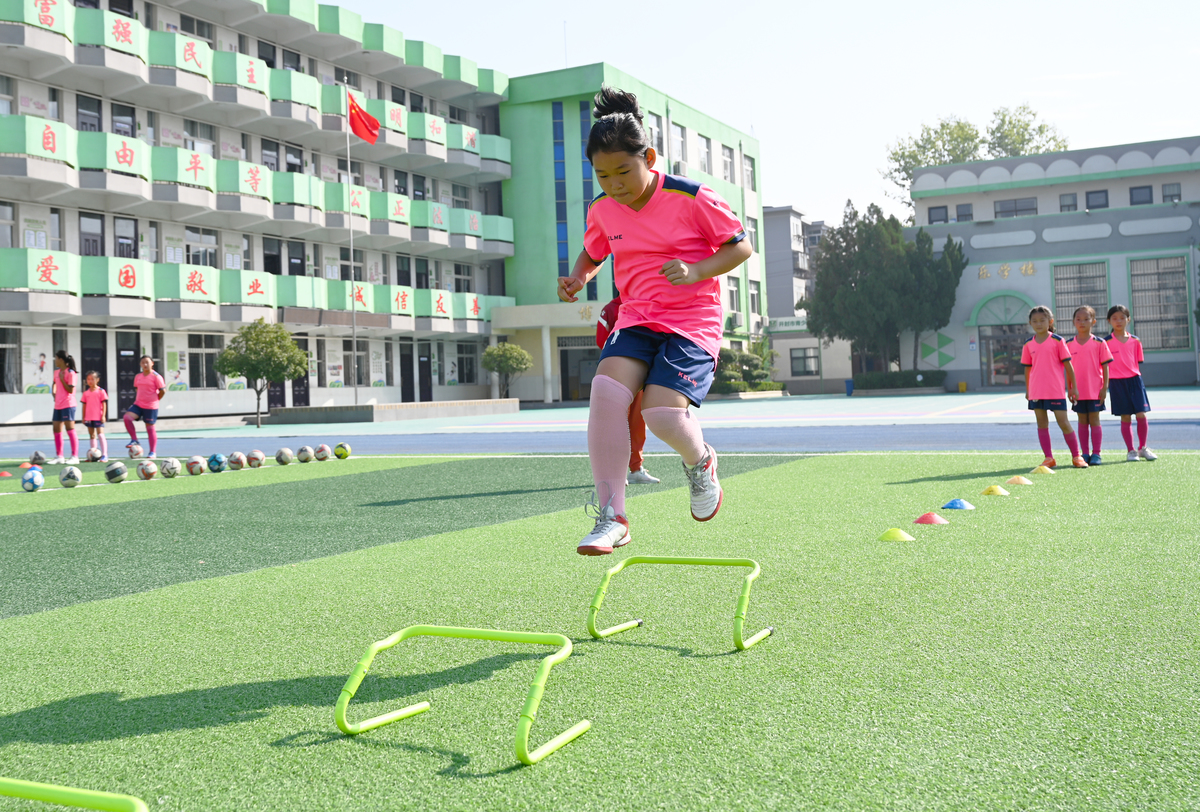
(727, 257)
(70, 387)
(583, 272)
(1072, 395)
(1104, 382)
(1028, 369)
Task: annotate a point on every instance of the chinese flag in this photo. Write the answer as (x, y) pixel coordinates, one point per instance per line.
(362, 123)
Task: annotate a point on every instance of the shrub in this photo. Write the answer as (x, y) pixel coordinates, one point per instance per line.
(906, 379)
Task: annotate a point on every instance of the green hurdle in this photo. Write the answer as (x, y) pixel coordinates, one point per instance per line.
(69, 796)
(528, 713)
(739, 616)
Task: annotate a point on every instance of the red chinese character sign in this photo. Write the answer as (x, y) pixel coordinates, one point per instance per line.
(195, 166)
(49, 140)
(470, 136)
(256, 288)
(441, 303)
(253, 177)
(473, 224)
(125, 154)
(356, 199)
(396, 116)
(122, 32)
(190, 55)
(401, 301)
(398, 210)
(45, 7)
(195, 283)
(435, 127)
(45, 270)
(251, 79)
(474, 305)
(127, 277)
(436, 215)
(358, 295)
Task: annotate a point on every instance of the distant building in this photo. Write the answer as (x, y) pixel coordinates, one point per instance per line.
(786, 259)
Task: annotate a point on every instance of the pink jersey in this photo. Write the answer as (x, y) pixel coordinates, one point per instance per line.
(62, 379)
(147, 389)
(93, 404)
(1126, 356)
(1044, 367)
(1088, 361)
(683, 220)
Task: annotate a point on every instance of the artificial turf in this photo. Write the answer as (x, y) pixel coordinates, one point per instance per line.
(1039, 652)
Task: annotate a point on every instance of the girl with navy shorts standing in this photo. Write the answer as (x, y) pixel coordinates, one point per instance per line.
(65, 378)
(1046, 358)
(150, 388)
(1090, 358)
(1128, 392)
(670, 238)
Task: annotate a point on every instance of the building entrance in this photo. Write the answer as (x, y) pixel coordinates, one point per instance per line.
(1000, 354)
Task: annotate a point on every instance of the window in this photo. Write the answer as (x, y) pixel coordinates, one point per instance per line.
(10, 360)
(345, 77)
(88, 116)
(198, 136)
(291, 60)
(197, 28)
(243, 45)
(1097, 200)
(1080, 284)
(152, 127)
(202, 353)
(123, 7)
(468, 355)
(389, 361)
(418, 187)
(7, 220)
(156, 350)
(320, 362)
(461, 196)
(353, 175)
(1160, 302)
(294, 157)
(91, 235)
(1141, 195)
(272, 255)
(296, 258)
(399, 182)
(459, 115)
(53, 111)
(1021, 207)
(727, 164)
(678, 142)
(422, 269)
(748, 179)
(151, 19)
(1171, 193)
(805, 361)
(705, 154)
(355, 363)
(270, 154)
(754, 301)
(124, 120)
(403, 270)
(416, 103)
(654, 131)
(247, 252)
(937, 214)
(344, 254)
(752, 233)
(560, 190)
(266, 53)
(964, 212)
(1068, 202)
(735, 294)
(125, 234)
(200, 246)
(151, 252)
(463, 278)
(56, 242)
(397, 95)
(312, 67)
(6, 96)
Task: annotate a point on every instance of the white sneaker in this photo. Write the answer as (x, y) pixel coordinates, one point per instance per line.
(611, 531)
(1147, 454)
(73, 461)
(55, 461)
(706, 490)
(641, 477)
(1132, 456)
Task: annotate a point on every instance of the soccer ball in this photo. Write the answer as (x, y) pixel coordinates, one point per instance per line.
(32, 480)
(322, 453)
(237, 461)
(170, 468)
(70, 476)
(135, 451)
(195, 466)
(94, 454)
(146, 469)
(304, 454)
(283, 456)
(217, 463)
(116, 472)
(255, 459)
(37, 458)
(341, 450)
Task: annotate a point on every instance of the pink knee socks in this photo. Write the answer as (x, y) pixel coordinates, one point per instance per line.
(1044, 440)
(58, 443)
(679, 429)
(1072, 443)
(1097, 435)
(129, 427)
(608, 440)
(1143, 430)
(103, 445)
(1084, 438)
(74, 438)
(152, 433)
(1127, 434)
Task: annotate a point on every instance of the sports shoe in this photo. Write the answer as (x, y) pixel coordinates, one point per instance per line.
(73, 461)
(153, 455)
(611, 531)
(1079, 462)
(104, 459)
(131, 443)
(1132, 456)
(56, 461)
(1049, 462)
(1147, 454)
(1094, 459)
(641, 477)
(706, 490)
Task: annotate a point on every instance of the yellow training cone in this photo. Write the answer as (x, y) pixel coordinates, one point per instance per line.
(895, 534)
(1018, 480)
(994, 490)
(1041, 469)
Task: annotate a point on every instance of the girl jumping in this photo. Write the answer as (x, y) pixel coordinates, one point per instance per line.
(1090, 358)
(1046, 357)
(1128, 392)
(65, 376)
(150, 389)
(95, 407)
(670, 238)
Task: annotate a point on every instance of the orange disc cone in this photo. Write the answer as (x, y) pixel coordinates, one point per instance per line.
(1017, 480)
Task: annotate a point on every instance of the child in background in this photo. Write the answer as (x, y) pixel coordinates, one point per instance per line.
(1090, 358)
(1128, 392)
(65, 375)
(637, 475)
(1046, 357)
(150, 388)
(95, 407)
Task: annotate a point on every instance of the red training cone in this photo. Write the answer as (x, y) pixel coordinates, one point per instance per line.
(930, 518)
(24, 465)
(5, 473)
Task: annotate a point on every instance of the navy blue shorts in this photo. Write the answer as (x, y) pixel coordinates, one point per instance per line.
(94, 424)
(147, 416)
(1088, 406)
(1128, 395)
(66, 415)
(1059, 405)
(676, 362)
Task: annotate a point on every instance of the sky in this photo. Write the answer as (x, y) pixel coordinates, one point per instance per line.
(827, 87)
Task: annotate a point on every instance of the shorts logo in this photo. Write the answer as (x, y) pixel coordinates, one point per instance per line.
(612, 339)
(688, 379)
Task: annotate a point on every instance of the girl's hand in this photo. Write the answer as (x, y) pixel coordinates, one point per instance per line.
(1103, 394)
(568, 286)
(678, 272)
(1072, 395)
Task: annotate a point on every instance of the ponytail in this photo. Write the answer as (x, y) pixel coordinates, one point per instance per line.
(67, 359)
(618, 126)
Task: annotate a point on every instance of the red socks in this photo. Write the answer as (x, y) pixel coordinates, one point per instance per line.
(74, 438)
(152, 433)
(1072, 443)
(58, 443)
(1127, 434)
(1143, 430)
(1044, 439)
(129, 427)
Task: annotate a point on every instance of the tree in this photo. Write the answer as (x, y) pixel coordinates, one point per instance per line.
(262, 353)
(1018, 132)
(508, 361)
(935, 288)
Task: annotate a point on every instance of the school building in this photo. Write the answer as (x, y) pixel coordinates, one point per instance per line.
(172, 171)
(1104, 226)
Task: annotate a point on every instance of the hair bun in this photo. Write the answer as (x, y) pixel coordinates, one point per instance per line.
(612, 100)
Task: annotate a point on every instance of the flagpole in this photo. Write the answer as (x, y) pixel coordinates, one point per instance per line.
(350, 223)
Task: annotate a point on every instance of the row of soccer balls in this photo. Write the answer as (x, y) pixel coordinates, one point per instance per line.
(170, 467)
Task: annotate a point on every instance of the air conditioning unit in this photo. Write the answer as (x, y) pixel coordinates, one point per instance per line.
(735, 319)
(681, 168)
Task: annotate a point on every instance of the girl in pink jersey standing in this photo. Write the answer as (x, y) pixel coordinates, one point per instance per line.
(95, 407)
(1046, 357)
(1089, 359)
(670, 238)
(150, 389)
(1129, 397)
(65, 377)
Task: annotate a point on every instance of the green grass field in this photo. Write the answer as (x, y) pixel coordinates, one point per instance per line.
(185, 641)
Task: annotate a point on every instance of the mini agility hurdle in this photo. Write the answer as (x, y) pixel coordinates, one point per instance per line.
(69, 796)
(532, 700)
(739, 615)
